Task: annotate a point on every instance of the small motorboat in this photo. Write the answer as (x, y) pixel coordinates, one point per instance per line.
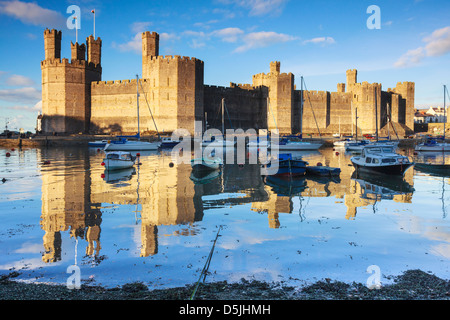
(381, 159)
(322, 171)
(118, 160)
(356, 146)
(285, 165)
(167, 142)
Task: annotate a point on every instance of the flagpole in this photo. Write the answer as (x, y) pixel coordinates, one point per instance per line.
(76, 29)
(93, 11)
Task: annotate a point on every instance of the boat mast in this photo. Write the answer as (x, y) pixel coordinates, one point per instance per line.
(445, 89)
(376, 114)
(356, 123)
(137, 103)
(301, 107)
(223, 122)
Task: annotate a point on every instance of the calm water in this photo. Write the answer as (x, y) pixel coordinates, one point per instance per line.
(156, 223)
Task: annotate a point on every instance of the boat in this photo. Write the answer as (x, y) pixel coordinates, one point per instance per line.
(381, 159)
(287, 144)
(286, 165)
(98, 143)
(124, 144)
(435, 169)
(218, 143)
(167, 142)
(356, 146)
(118, 160)
(432, 144)
(264, 143)
(322, 171)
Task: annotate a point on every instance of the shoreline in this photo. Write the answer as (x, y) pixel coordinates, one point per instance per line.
(82, 140)
(411, 285)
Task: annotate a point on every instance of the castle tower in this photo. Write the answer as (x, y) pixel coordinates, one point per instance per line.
(351, 79)
(78, 51)
(66, 86)
(52, 44)
(94, 50)
(281, 98)
(150, 48)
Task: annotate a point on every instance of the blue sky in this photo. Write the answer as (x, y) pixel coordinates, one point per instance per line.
(318, 40)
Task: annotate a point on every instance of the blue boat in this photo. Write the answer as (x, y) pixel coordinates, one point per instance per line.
(287, 166)
(323, 171)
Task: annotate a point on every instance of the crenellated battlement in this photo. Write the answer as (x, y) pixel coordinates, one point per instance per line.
(64, 62)
(170, 58)
(126, 82)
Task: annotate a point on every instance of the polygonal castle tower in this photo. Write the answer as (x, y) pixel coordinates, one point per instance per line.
(66, 86)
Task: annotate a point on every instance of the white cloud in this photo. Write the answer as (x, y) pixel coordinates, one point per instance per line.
(320, 40)
(437, 44)
(134, 45)
(18, 80)
(259, 7)
(410, 58)
(31, 13)
(137, 27)
(228, 34)
(262, 39)
(22, 95)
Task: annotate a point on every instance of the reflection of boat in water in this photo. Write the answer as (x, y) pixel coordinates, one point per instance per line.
(285, 185)
(206, 164)
(377, 187)
(119, 175)
(204, 177)
(323, 171)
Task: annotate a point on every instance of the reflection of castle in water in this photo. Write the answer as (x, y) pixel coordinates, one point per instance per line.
(74, 192)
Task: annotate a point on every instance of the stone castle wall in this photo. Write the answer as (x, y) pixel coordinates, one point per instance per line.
(172, 90)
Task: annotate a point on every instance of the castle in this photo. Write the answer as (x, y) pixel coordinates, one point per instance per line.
(173, 94)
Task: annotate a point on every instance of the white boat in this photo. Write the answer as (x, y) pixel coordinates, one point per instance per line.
(381, 159)
(118, 160)
(432, 145)
(218, 143)
(203, 164)
(286, 144)
(259, 144)
(131, 145)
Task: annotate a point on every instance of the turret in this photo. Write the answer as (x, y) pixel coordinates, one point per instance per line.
(94, 50)
(150, 48)
(52, 44)
(78, 51)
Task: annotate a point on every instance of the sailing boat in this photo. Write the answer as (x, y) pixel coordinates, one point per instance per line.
(431, 144)
(132, 145)
(219, 143)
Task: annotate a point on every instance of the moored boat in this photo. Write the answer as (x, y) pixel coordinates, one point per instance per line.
(381, 159)
(98, 143)
(206, 164)
(286, 165)
(118, 160)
